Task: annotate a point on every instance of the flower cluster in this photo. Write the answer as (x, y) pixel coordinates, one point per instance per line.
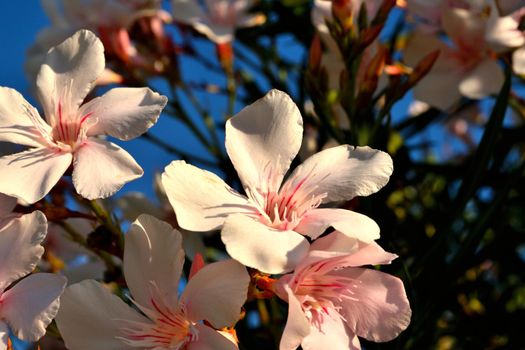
(285, 220)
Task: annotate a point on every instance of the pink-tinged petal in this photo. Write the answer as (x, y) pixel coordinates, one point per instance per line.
(210, 339)
(69, 72)
(297, 325)
(464, 26)
(132, 204)
(216, 293)
(263, 139)
(101, 168)
(196, 265)
(348, 251)
(201, 199)
(261, 247)
(30, 306)
(31, 174)
(186, 10)
(518, 61)
(342, 173)
(4, 335)
(7, 204)
(486, 79)
(333, 332)
(20, 122)
(381, 310)
(506, 7)
(503, 32)
(153, 253)
(352, 224)
(124, 113)
(439, 88)
(90, 317)
(20, 248)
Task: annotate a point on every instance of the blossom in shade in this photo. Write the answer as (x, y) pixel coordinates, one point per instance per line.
(265, 229)
(29, 305)
(466, 66)
(334, 300)
(92, 318)
(68, 135)
(110, 19)
(217, 19)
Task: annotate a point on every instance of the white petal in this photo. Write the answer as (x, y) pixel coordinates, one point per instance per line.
(518, 61)
(32, 304)
(216, 293)
(210, 339)
(31, 174)
(20, 248)
(7, 204)
(201, 199)
(503, 32)
(101, 168)
(69, 72)
(256, 245)
(89, 317)
(4, 335)
(486, 79)
(124, 113)
(342, 172)
(439, 88)
(264, 138)
(381, 310)
(463, 26)
(20, 122)
(186, 10)
(153, 253)
(132, 204)
(297, 325)
(333, 332)
(352, 224)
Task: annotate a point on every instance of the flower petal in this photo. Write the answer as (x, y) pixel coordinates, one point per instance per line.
(30, 306)
(101, 168)
(256, 245)
(31, 174)
(69, 72)
(7, 204)
(352, 224)
(333, 332)
(463, 26)
(4, 335)
(20, 248)
(89, 317)
(381, 310)
(124, 113)
(153, 253)
(263, 139)
(20, 122)
(132, 204)
(210, 339)
(201, 199)
(216, 293)
(486, 79)
(518, 61)
(342, 172)
(297, 325)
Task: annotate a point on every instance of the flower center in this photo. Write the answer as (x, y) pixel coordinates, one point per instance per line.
(322, 294)
(168, 330)
(283, 209)
(69, 132)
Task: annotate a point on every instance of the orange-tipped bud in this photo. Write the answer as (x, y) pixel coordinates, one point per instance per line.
(342, 13)
(397, 69)
(225, 55)
(314, 62)
(196, 265)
